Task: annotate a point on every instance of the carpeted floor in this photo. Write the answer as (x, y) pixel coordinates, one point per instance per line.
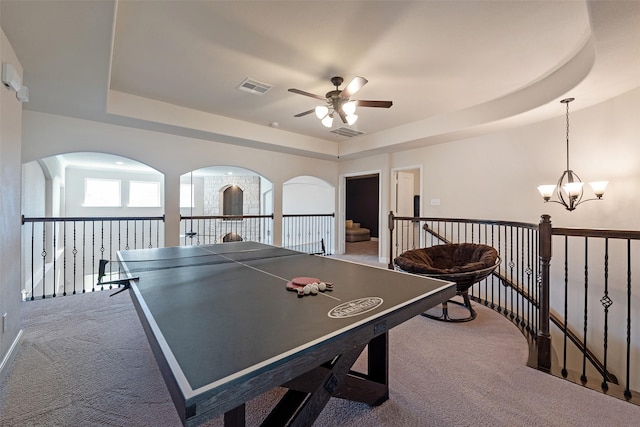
(84, 361)
(365, 252)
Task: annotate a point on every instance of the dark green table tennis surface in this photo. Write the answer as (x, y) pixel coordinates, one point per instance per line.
(224, 329)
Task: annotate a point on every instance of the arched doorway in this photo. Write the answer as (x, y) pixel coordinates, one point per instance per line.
(218, 203)
(308, 208)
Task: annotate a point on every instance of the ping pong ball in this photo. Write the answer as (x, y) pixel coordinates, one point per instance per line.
(306, 289)
(314, 289)
(322, 286)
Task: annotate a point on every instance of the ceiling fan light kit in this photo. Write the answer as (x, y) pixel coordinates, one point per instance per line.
(322, 111)
(338, 102)
(327, 121)
(349, 108)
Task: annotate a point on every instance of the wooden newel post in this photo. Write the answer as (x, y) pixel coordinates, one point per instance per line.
(544, 337)
(391, 225)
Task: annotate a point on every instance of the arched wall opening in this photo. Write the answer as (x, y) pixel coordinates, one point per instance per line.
(308, 208)
(205, 216)
(78, 208)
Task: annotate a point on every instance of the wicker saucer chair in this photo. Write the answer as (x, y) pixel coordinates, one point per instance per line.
(462, 263)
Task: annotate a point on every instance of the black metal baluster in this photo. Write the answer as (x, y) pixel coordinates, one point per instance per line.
(502, 255)
(142, 234)
(84, 254)
(511, 267)
(44, 258)
(53, 251)
(529, 272)
(33, 231)
(535, 289)
(102, 249)
(75, 257)
(627, 392)
(493, 276)
(566, 305)
(606, 303)
(93, 255)
(583, 377)
(111, 254)
(64, 258)
(126, 247)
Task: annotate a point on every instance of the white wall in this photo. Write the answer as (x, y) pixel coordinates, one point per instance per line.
(74, 200)
(308, 195)
(33, 196)
(495, 176)
(10, 183)
(34, 204)
(46, 135)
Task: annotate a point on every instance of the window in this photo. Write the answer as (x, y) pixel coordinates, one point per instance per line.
(186, 195)
(144, 194)
(102, 192)
(232, 201)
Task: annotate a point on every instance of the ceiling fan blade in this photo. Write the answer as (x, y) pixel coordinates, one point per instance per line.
(305, 113)
(353, 86)
(301, 92)
(378, 104)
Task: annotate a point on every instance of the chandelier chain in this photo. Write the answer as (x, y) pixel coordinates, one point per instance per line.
(567, 118)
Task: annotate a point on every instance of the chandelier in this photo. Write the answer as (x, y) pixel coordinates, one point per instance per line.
(569, 189)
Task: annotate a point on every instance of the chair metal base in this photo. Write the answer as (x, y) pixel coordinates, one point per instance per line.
(444, 317)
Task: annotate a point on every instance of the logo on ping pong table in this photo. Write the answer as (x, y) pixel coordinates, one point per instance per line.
(355, 307)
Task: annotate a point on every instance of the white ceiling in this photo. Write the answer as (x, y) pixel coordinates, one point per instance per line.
(452, 68)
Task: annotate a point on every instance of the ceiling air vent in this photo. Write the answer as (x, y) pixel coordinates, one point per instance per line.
(343, 131)
(254, 86)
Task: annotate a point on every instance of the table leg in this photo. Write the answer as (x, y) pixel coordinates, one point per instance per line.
(372, 387)
(235, 417)
(378, 359)
(298, 408)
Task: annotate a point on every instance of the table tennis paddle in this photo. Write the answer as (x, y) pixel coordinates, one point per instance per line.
(297, 284)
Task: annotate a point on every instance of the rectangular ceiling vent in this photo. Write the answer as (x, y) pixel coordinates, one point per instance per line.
(254, 86)
(343, 131)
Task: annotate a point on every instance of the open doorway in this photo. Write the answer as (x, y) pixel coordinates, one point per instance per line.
(405, 201)
(362, 215)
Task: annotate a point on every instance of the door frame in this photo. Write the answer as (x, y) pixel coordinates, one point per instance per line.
(392, 186)
(393, 192)
(342, 208)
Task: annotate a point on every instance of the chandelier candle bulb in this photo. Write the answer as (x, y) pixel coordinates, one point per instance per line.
(546, 191)
(599, 187)
(573, 189)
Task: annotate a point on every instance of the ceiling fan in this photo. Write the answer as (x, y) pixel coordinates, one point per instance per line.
(337, 101)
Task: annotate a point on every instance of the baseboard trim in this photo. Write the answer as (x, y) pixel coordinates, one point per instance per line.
(11, 354)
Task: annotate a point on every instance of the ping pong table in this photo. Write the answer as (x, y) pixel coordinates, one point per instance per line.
(224, 329)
